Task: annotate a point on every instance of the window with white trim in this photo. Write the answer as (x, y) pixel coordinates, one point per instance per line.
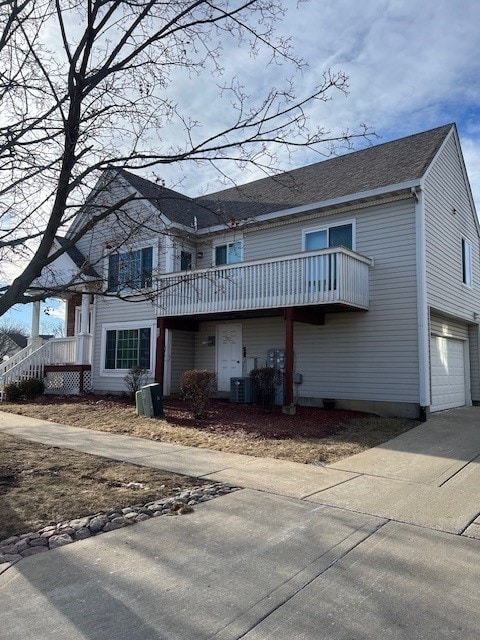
(130, 270)
(333, 236)
(228, 253)
(127, 348)
(467, 263)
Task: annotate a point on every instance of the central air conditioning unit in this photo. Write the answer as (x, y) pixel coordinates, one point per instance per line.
(242, 390)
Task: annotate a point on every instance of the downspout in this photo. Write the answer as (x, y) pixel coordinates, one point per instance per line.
(422, 305)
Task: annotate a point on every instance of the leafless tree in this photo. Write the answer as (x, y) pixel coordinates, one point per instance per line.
(89, 85)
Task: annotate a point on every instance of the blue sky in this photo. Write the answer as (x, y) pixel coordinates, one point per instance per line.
(411, 66)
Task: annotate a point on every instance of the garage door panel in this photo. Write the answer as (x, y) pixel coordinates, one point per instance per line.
(448, 373)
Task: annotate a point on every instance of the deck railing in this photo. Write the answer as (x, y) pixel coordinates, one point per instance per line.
(12, 362)
(63, 350)
(31, 361)
(329, 276)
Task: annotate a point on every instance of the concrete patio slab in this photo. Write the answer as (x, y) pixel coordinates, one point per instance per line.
(281, 477)
(434, 507)
(403, 583)
(214, 573)
(467, 479)
(428, 454)
(473, 531)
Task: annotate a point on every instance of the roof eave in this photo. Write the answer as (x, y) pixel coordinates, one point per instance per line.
(371, 194)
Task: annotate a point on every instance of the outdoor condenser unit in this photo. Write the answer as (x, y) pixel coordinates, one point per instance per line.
(242, 390)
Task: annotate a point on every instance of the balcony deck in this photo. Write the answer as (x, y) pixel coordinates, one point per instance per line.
(330, 278)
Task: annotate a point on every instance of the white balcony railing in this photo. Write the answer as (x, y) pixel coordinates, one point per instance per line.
(329, 276)
(63, 350)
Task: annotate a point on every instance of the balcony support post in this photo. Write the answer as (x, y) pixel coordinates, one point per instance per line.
(160, 353)
(289, 357)
(35, 326)
(83, 338)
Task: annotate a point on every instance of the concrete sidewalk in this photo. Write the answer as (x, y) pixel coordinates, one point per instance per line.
(263, 565)
(428, 476)
(249, 565)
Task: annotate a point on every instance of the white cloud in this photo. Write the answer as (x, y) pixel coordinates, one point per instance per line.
(412, 66)
(55, 309)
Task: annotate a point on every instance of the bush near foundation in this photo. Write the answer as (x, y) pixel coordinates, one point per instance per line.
(135, 379)
(267, 381)
(24, 390)
(197, 388)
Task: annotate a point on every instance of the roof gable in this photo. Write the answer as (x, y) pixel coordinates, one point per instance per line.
(391, 163)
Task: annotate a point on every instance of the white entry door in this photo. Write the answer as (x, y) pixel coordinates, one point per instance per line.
(229, 354)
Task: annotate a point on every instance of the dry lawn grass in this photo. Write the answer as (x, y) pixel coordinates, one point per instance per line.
(349, 438)
(42, 485)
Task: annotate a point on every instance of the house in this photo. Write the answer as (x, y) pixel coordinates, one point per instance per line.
(359, 276)
(11, 342)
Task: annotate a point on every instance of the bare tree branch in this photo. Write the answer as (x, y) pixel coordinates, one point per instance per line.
(90, 86)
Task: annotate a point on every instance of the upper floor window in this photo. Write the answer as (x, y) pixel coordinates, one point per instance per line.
(467, 263)
(228, 253)
(185, 261)
(334, 236)
(130, 270)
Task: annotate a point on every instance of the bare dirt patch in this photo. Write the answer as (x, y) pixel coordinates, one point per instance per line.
(313, 435)
(42, 485)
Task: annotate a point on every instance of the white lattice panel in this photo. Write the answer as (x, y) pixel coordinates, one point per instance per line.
(87, 381)
(64, 382)
(67, 382)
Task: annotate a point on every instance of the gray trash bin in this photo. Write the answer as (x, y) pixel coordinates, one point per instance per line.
(152, 401)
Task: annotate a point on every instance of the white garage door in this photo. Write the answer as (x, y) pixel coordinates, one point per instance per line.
(448, 373)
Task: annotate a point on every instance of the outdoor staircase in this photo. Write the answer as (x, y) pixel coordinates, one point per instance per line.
(27, 363)
(31, 361)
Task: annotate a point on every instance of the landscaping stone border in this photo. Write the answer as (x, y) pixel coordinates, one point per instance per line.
(16, 547)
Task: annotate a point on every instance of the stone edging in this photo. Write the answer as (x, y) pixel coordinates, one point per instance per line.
(15, 548)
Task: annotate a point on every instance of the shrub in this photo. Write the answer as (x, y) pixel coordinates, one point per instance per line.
(31, 388)
(12, 391)
(197, 387)
(24, 389)
(135, 379)
(267, 380)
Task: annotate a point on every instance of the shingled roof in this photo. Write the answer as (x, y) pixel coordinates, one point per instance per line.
(391, 163)
(175, 206)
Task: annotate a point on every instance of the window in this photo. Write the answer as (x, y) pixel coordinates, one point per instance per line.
(467, 263)
(130, 270)
(185, 261)
(321, 271)
(228, 253)
(126, 348)
(335, 236)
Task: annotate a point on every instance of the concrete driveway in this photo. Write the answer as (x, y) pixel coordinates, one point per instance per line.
(344, 562)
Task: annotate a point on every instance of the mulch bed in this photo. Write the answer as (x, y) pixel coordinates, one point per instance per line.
(227, 418)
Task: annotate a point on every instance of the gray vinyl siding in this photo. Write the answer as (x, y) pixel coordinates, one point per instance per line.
(258, 335)
(112, 310)
(205, 353)
(359, 356)
(183, 355)
(143, 224)
(445, 190)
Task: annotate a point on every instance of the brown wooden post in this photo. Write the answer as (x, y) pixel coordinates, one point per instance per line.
(160, 353)
(289, 359)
